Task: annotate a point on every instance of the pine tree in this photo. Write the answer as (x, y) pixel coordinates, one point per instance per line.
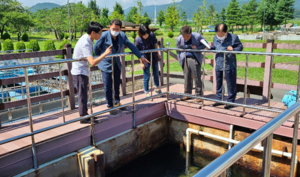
(161, 17)
(104, 17)
(232, 14)
(118, 12)
(285, 10)
(147, 19)
(93, 5)
(119, 8)
(251, 13)
(211, 14)
(223, 15)
(172, 15)
(183, 18)
(201, 16)
(130, 16)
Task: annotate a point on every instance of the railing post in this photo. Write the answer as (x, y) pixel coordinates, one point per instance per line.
(268, 68)
(70, 84)
(267, 155)
(214, 84)
(161, 63)
(123, 73)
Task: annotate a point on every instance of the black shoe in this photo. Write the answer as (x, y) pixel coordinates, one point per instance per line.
(228, 106)
(85, 121)
(217, 104)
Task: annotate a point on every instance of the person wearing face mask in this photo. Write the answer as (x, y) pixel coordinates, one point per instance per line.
(190, 61)
(79, 71)
(115, 37)
(147, 41)
(227, 42)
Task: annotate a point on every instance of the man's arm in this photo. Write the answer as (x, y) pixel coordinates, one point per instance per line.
(94, 61)
(201, 46)
(237, 46)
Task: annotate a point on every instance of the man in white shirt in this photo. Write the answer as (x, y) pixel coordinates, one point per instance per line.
(83, 49)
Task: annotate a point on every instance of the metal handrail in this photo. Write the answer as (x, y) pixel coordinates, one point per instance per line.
(219, 165)
(134, 102)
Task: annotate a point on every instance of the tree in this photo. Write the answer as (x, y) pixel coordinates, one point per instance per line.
(104, 17)
(211, 14)
(183, 18)
(267, 12)
(20, 22)
(118, 12)
(138, 17)
(147, 19)
(223, 15)
(243, 14)
(285, 10)
(201, 16)
(130, 16)
(119, 8)
(172, 16)
(93, 6)
(252, 13)
(232, 14)
(161, 17)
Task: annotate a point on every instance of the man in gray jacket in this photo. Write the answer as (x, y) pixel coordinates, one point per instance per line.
(190, 61)
(227, 42)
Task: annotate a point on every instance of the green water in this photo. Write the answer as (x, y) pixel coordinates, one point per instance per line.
(170, 161)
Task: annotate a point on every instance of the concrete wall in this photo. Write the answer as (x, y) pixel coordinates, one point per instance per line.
(123, 148)
(211, 149)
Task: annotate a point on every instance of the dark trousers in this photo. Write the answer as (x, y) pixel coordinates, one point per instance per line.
(107, 80)
(192, 67)
(230, 77)
(81, 83)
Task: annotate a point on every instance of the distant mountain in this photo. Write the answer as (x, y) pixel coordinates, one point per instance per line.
(46, 5)
(190, 6)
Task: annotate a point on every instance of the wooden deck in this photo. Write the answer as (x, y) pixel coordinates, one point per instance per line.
(16, 156)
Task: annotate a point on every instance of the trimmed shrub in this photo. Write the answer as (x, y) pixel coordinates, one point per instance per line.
(8, 45)
(49, 45)
(61, 36)
(25, 37)
(133, 35)
(66, 35)
(158, 33)
(170, 34)
(61, 46)
(34, 45)
(6, 36)
(20, 46)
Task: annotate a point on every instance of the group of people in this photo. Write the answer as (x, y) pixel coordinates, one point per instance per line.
(112, 42)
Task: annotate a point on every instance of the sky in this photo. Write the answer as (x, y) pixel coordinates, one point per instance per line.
(101, 3)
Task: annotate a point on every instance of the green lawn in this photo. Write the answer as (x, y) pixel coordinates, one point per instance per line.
(279, 76)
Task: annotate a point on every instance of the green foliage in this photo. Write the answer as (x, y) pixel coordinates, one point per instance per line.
(25, 37)
(130, 15)
(104, 17)
(118, 12)
(170, 34)
(211, 14)
(158, 33)
(172, 15)
(0, 46)
(49, 45)
(61, 36)
(201, 16)
(8, 45)
(6, 36)
(147, 21)
(266, 13)
(139, 18)
(66, 36)
(233, 14)
(34, 45)
(183, 18)
(61, 46)
(118, 8)
(93, 6)
(161, 17)
(20, 46)
(133, 35)
(285, 10)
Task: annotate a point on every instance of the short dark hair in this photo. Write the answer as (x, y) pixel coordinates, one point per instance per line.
(143, 30)
(224, 29)
(94, 26)
(116, 22)
(186, 30)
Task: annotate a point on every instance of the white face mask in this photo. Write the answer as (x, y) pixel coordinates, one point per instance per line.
(114, 33)
(221, 38)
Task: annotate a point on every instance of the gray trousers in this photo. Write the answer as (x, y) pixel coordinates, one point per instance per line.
(81, 83)
(192, 67)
